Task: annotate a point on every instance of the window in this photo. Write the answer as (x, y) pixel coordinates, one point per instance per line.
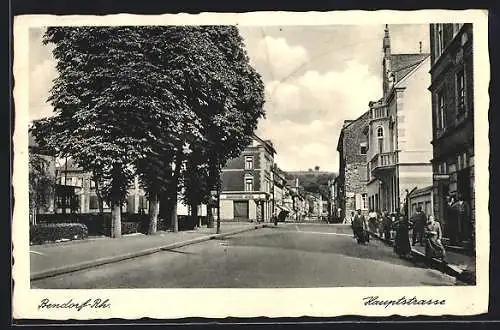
(460, 79)
(248, 183)
(80, 182)
(462, 161)
(439, 39)
(363, 148)
(364, 201)
(92, 184)
(440, 116)
(380, 132)
(380, 137)
(93, 203)
(248, 162)
(143, 203)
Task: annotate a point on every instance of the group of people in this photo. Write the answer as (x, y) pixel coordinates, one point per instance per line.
(425, 230)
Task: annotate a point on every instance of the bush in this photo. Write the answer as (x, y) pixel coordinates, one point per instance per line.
(52, 232)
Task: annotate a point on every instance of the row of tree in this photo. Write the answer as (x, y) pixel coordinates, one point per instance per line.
(169, 104)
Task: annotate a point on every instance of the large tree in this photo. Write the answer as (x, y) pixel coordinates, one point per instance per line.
(100, 105)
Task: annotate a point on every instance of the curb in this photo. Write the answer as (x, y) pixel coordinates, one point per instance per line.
(436, 264)
(108, 260)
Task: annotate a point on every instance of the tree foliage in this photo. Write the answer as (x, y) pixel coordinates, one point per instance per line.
(41, 184)
(171, 104)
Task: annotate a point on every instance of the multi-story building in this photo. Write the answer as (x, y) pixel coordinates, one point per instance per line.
(70, 176)
(453, 129)
(399, 130)
(278, 193)
(247, 183)
(352, 178)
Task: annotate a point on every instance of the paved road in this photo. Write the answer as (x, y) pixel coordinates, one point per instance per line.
(287, 256)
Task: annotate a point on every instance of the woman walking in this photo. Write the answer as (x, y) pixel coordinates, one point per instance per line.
(402, 241)
(433, 234)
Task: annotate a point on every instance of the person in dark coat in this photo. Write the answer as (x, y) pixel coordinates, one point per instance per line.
(418, 224)
(359, 227)
(402, 241)
(386, 225)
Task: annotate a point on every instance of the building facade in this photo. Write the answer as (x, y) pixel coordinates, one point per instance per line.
(351, 181)
(399, 131)
(70, 175)
(453, 130)
(247, 184)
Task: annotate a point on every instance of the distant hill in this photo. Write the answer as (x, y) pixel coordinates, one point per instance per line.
(314, 181)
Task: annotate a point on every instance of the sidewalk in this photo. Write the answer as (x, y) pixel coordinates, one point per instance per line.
(58, 258)
(459, 265)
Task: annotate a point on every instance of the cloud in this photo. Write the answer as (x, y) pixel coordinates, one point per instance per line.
(279, 56)
(41, 77)
(305, 114)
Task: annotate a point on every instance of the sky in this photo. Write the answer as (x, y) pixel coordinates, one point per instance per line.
(315, 78)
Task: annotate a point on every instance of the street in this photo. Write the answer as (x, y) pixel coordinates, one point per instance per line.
(290, 255)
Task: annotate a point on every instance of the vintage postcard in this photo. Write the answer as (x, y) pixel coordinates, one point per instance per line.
(277, 164)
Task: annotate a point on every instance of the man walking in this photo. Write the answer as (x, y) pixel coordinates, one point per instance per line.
(418, 220)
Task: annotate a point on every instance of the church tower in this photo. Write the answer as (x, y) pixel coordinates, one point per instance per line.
(387, 72)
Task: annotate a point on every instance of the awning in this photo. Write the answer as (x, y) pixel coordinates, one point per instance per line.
(284, 208)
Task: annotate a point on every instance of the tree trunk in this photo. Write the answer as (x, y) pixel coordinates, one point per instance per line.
(210, 218)
(175, 223)
(165, 211)
(116, 221)
(173, 194)
(100, 201)
(194, 214)
(154, 210)
(218, 213)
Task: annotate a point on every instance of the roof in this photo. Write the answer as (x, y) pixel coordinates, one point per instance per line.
(348, 123)
(421, 191)
(267, 143)
(403, 64)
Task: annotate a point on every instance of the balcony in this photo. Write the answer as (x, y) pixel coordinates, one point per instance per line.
(380, 113)
(383, 162)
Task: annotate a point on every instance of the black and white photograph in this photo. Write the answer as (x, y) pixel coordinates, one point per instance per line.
(254, 164)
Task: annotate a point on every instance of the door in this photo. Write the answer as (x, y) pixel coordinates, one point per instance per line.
(240, 210)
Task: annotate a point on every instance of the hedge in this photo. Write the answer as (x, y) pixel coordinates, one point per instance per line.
(100, 224)
(43, 233)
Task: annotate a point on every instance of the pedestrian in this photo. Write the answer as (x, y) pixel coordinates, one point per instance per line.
(352, 224)
(359, 226)
(275, 217)
(380, 224)
(386, 225)
(418, 224)
(402, 241)
(372, 221)
(433, 234)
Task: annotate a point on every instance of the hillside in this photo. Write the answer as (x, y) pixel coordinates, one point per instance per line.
(314, 181)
